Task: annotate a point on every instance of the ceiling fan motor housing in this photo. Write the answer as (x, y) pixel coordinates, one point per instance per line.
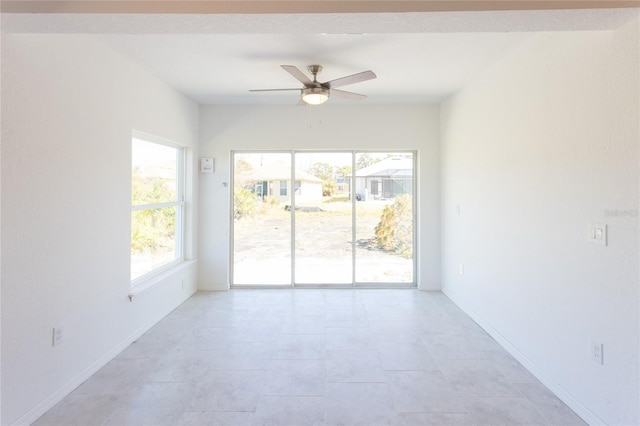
(314, 70)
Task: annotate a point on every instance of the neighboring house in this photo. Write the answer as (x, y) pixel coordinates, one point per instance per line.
(385, 179)
(275, 181)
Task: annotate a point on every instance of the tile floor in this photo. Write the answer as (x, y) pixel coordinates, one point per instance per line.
(313, 357)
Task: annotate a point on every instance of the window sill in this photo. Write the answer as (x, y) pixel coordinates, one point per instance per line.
(144, 283)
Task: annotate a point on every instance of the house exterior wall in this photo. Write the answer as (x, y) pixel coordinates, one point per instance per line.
(377, 187)
(308, 192)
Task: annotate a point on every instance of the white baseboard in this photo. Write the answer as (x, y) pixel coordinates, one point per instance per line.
(37, 411)
(429, 287)
(578, 407)
(213, 287)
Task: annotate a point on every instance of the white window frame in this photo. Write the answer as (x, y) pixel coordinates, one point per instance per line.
(179, 204)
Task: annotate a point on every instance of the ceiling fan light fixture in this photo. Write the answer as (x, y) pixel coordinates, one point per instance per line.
(315, 95)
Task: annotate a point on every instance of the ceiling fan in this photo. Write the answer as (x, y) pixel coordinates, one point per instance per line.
(315, 93)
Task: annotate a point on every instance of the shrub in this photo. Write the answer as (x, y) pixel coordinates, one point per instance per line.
(153, 230)
(328, 188)
(394, 232)
(244, 203)
(271, 201)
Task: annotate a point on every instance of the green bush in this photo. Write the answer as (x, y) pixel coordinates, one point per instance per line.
(153, 230)
(142, 238)
(271, 201)
(244, 203)
(394, 232)
(328, 188)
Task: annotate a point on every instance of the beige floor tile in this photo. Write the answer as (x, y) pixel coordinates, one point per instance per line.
(405, 356)
(504, 412)
(549, 405)
(350, 339)
(436, 419)
(477, 378)
(300, 346)
(156, 404)
(296, 378)
(359, 404)
(119, 376)
(453, 346)
(423, 391)
(236, 390)
(306, 323)
(80, 410)
(290, 411)
(313, 356)
(222, 418)
(183, 366)
(354, 366)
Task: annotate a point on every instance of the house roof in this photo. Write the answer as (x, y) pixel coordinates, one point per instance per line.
(394, 166)
(282, 172)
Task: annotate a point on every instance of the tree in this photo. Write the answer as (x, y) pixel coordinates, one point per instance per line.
(326, 173)
(243, 174)
(365, 160)
(322, 170)
(344, 172)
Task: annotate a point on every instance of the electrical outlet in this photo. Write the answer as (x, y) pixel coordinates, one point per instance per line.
(461, 269)
(182, 284)
(58, 335)
(597, 352)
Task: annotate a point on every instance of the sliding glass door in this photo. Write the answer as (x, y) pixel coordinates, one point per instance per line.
(261, 224)
(323, 218)
(384, 219)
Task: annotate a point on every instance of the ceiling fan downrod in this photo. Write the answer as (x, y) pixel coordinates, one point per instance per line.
(314, 70)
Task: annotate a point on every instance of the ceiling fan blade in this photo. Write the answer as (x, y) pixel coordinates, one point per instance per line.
(348, 95)
(271, 90)
(297, 74)
(351, 79)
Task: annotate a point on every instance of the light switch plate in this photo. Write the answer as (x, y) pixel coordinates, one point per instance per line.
(597, 234)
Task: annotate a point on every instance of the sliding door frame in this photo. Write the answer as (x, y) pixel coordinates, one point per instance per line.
(352, 194)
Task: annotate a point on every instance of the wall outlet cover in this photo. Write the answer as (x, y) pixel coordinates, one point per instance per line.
(58, 335)
(597, 352)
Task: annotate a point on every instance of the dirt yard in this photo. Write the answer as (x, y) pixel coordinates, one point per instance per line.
(323, 246)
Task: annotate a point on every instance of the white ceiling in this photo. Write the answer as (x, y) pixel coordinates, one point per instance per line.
(222, 68)
(418, 57)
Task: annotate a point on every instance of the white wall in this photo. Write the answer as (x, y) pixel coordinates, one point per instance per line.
(533, 151)
(328, 127)
(69, 105)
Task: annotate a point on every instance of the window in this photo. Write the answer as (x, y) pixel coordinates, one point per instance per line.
(283, 188)
(157, 205)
